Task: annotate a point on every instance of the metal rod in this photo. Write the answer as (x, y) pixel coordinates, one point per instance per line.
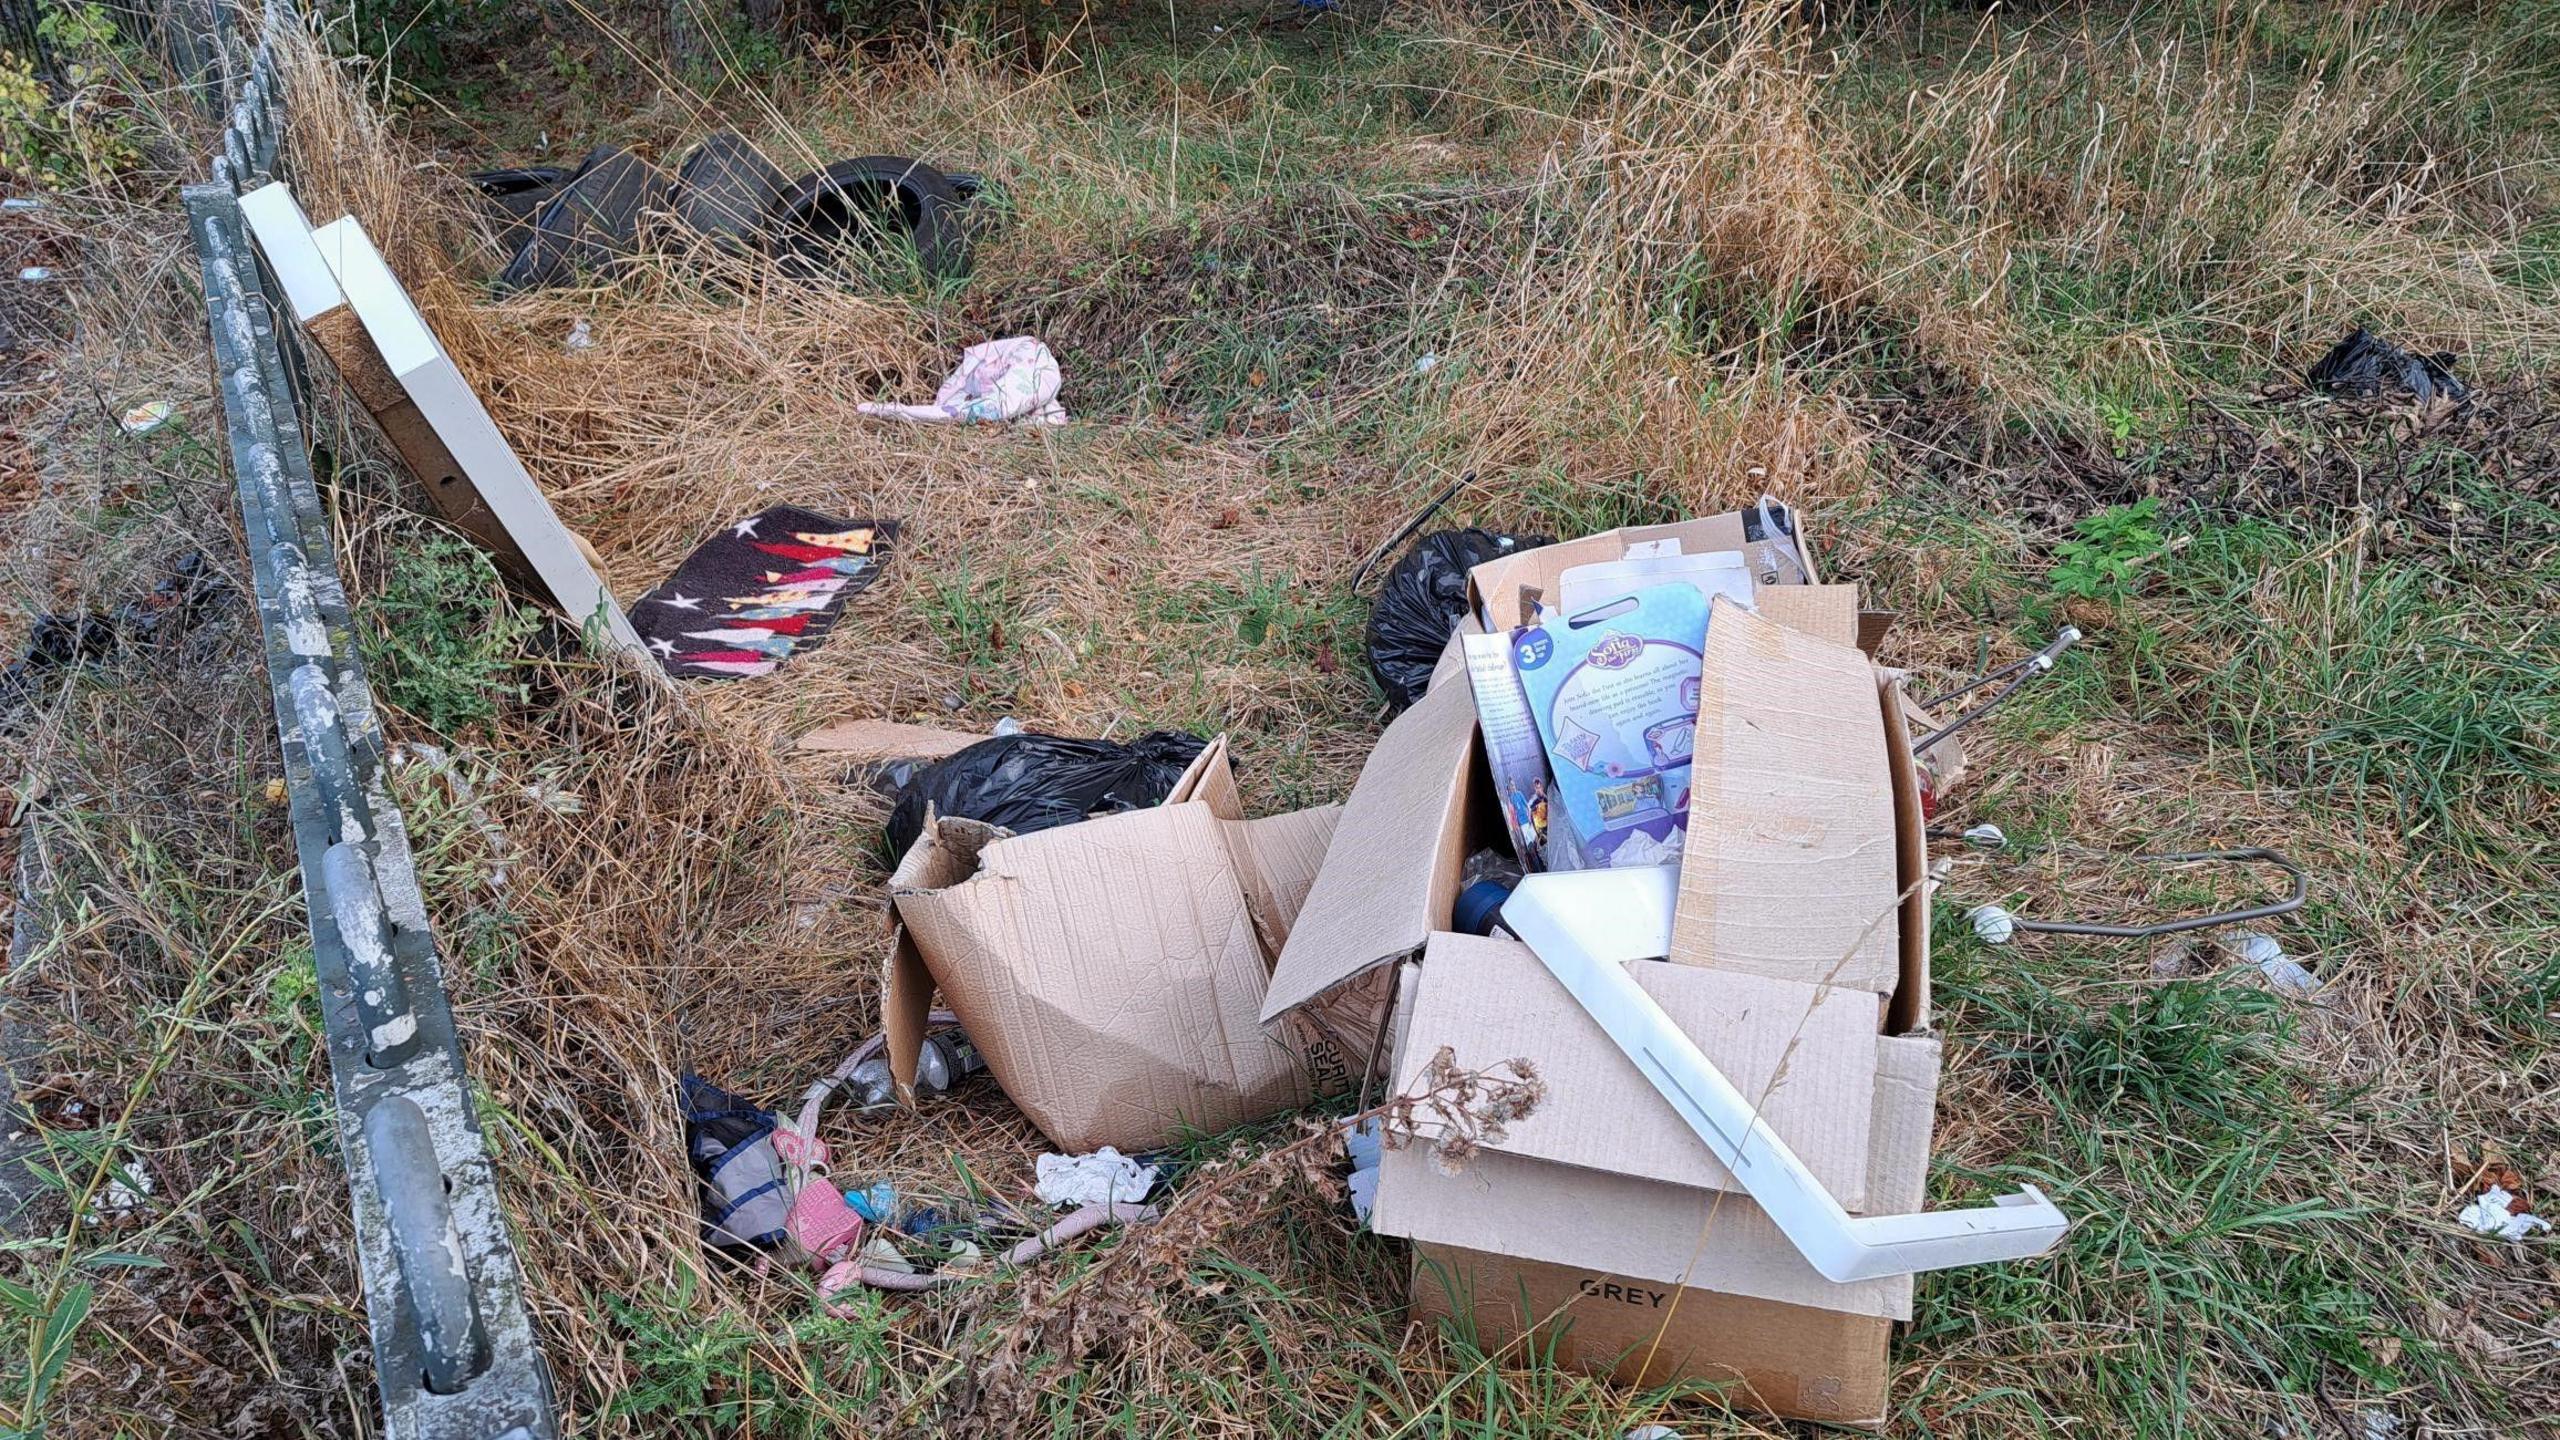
(2252, 854)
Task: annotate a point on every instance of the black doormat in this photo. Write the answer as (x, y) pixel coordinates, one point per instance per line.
(760, 592)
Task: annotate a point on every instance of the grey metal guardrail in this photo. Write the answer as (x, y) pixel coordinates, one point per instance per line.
(453, 1347)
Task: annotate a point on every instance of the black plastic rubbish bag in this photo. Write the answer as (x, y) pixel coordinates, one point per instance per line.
(1038, 782)
(1421, 602)
(2365, 364)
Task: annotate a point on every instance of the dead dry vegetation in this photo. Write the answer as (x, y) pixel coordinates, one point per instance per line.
(1948, 283)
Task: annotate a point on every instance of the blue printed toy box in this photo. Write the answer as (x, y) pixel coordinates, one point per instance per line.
(1614, 691)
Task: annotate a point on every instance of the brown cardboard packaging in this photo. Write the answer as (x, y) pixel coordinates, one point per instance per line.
(1604, 1176)
(1782, 1359)
(1109, 971)
(1796, 877)
(1799, 963)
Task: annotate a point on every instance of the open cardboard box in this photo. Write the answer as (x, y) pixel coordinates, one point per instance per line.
(1800, 964)
(1109, 971)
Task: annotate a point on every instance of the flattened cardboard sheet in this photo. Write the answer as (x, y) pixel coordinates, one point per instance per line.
(1793, 858)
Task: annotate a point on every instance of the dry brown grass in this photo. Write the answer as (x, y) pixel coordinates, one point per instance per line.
(1669, 255)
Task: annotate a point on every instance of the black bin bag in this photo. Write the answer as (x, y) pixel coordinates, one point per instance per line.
(1421, 602)
(1038, 782)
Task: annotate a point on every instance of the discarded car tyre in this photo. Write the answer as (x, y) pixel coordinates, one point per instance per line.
(863, 204)
(591, 223)
(725, 191)
(516, 196)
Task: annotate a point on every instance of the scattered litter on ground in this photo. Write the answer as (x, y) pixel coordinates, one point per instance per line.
(149, 416)
(1103, 1177)
(860, 205)
(1986, 837)
(561, 227)
(1994, 925)
(875, 1202)
(590, 224)
(2008, 923)
(820, 1223)
(127, 1189)
(17, 203)
(879, 1254)
(965, 1259)
(724, 191)
(34, 273)
(1651, 1432)
(942, 1060)
(2496, 1212)
(745, 1200)
(515, 197)
(191, 590)
(758, 592)
(582, 336)
(1014, 379)
(1426, 362)
(1420, 603)
(2282, 970)
(2017, 673)
(2365, 365)
(1098, 963)
(1026, 783)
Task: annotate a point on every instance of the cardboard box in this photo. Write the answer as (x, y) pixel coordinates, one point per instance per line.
(1782, 1359)
(1110, 970)
(1799, 963)
(1603, 1176)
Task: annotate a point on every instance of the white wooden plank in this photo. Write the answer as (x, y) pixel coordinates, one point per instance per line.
(418, 360)
(284, 234)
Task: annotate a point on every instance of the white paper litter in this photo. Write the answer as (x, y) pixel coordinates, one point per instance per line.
(582, 336)
(2489, 1215)
(1072, 1182)
(1995, 925)
(149, 416)
(128, 1186)
(1986, 837)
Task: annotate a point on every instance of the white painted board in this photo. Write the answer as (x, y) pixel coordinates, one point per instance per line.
(435, 385)
(284, 234)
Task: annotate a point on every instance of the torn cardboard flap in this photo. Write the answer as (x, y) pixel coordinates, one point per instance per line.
(1828, 612)
(1792, 859)
(1504, 588)
(1112, 1013)
(1807, 1054)
(871, 742)
(1392, 869)
(1636, 1225)
(1275, 860)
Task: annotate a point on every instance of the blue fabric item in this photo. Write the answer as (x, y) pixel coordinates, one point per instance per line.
(875, 1203)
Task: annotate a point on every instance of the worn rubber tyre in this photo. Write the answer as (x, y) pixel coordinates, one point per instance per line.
(725, 191)
(592, 223)
(862, 204)
(515, 196)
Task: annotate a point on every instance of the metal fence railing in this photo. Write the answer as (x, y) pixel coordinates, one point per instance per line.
(453, 1347)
